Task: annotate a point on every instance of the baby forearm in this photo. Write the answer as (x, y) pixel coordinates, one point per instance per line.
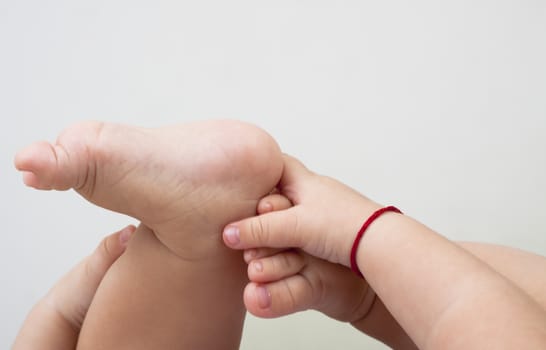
(522, 268)
(381, 325)
(44, 328)
(153, 299)
(444, 283)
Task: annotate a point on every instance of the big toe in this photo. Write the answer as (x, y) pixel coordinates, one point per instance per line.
(70, 162)
(44, 166)
(86, 156)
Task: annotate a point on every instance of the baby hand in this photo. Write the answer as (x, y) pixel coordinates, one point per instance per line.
(285, 281)
(55, 322)
(323, 222)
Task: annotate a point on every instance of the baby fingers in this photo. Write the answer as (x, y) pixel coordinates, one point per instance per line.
(278, 229)
(276, 267)
(258, 253)
(273, 202)
(279, 298)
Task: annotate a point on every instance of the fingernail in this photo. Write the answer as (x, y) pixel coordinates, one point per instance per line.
(257, 266)
(125, 235)
(232, 235)
(249, 254)
(266, 207)
(263, 296)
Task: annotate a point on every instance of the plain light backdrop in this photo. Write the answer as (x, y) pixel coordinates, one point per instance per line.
(438, 107)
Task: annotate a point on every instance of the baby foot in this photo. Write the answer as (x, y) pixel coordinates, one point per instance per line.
(288, 281)
(196, 176)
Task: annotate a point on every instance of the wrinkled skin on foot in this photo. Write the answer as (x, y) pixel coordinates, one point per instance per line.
(196, 176)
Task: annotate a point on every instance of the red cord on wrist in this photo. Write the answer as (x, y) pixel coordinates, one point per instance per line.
(360, 234)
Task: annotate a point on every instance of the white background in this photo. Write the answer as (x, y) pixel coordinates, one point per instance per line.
(438, 107)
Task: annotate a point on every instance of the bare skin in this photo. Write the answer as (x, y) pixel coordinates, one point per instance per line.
(284, 281)
(293, 280)
(451, 298)
(177, 283)
(307, 279)
(54, 323)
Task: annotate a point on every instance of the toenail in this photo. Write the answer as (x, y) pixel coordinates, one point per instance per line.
(232, 235)
(263, 296)
(257, 266)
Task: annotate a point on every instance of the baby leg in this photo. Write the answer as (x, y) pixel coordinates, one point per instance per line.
(153, 299)
(177, 285)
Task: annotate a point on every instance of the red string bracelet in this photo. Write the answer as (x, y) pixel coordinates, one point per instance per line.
(360, 234)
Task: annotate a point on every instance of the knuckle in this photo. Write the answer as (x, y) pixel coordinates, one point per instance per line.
(106, 250)
(259, 230)
(285, 261)
(101, 257)
(295, 229)
(291, 296)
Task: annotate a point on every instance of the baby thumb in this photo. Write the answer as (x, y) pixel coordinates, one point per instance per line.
(280, 229)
